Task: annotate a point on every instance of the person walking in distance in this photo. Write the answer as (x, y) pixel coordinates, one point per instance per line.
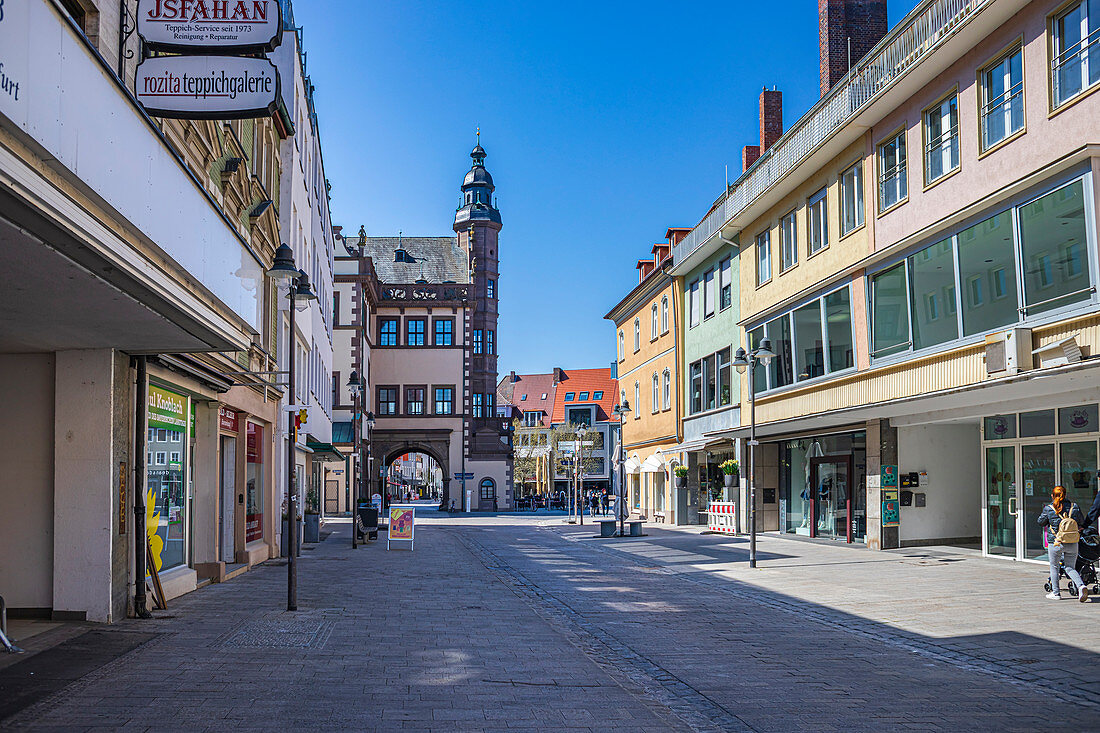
(603, 503)
(1062, 521)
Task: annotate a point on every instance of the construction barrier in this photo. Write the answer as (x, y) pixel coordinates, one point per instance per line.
(722, 517)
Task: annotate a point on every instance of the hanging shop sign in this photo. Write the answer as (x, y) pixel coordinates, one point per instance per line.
(211, 26)
(166, 409)
(207, 87)
(227, 419)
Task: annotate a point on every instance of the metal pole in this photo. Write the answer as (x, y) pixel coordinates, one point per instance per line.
(356, 492)
(752, 462)
(292, 495)
(141, 537)
(622, 469)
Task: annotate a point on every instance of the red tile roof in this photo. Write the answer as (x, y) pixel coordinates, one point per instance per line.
(534, 386)
(576, 381)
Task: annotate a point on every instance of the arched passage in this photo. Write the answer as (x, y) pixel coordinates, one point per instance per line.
(387, 446)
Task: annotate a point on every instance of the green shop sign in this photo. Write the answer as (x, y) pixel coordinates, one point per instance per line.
(167, 409)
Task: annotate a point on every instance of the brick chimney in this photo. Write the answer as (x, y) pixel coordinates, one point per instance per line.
(860, 23)
(749, 155)
(558, 373)
(512, 377)
(771, 118)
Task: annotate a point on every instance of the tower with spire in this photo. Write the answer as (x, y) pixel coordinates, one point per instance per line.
(478, 224)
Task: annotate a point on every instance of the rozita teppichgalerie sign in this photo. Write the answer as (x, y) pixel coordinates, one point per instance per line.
(211, 26)
(207, 87)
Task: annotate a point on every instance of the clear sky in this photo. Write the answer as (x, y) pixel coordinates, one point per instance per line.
(605, 124)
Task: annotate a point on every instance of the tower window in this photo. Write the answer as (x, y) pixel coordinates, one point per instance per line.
(491, 288)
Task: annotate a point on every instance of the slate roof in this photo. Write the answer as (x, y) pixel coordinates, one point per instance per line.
(435, 259)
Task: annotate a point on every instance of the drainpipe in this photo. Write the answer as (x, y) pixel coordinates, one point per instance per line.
(141, 609)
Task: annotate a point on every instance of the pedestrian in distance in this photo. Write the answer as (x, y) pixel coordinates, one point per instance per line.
(603, 503)
(1062, 521)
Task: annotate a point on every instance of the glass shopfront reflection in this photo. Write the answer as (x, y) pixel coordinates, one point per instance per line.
(820, 486)
(168, 445)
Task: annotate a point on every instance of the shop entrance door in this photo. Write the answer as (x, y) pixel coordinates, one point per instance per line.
(830, 497)
(1002, 508)
(228, 491)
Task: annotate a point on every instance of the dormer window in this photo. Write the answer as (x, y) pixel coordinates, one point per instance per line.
(399, 255)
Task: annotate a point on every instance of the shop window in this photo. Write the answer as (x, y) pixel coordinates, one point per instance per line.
(1076, 63)
(1053, 237)
(1035, 424)
(254, 488)
(1002, 90)
(931, 283)
(809, 347)
(1080, 419)
(1000, 427)
(851, 199)
(890, 314)
(167, 479)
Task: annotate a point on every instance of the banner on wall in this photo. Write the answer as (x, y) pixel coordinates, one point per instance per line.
(167, 409)
(211, 26)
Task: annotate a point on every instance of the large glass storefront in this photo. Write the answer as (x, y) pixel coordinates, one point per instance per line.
(168, 458)
(821, 482)
(1025, 456)
(254, 487)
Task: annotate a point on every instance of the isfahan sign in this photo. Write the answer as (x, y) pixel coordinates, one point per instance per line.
(207, 87)
(211, 26)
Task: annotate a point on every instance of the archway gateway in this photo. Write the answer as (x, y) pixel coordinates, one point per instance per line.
(387, 446)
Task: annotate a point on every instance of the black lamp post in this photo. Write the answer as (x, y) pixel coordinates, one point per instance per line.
(355, 387)
(299, 294)
(620, 505)
(742, 361)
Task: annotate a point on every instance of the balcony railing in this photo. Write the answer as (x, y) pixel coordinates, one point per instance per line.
(906, 46)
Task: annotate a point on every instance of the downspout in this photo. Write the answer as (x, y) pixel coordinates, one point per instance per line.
(141, 538)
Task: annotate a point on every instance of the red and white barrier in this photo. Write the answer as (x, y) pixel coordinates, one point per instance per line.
(722, 517)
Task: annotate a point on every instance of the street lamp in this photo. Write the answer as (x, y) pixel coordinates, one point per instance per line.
(298, 294)
(764, 355)
(620, 503)
(355, 387)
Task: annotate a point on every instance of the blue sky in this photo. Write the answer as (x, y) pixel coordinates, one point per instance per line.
(605, 123)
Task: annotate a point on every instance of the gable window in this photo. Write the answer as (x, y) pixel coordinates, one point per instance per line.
(708, 293)
(893, 184)
(851, 199)
(941, 139)
(387, 400)
(693, 303)
(788, 243)
(532, 419)
(653, 322)
(1076, 45)
(667, 390)
(763, 258)
(387, 332)
(444, 331)
(725, 284)
(444, 400)
(664, 314)
(414, 400)
(637, 335)
(817, 222)
(1002, 98)
(415, 330)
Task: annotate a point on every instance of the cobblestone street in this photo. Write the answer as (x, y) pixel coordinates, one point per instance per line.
(511, 623)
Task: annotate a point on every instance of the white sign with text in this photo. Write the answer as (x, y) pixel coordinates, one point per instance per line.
(14, 51)
(216, 26)
(207, 87)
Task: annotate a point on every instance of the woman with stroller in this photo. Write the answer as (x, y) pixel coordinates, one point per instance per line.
(1062, 521)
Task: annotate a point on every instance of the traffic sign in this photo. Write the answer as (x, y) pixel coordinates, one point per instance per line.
(464, 476)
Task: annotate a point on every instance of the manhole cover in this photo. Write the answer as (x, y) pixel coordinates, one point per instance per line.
(281, 633)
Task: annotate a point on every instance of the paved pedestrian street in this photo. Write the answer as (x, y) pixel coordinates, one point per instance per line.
(526, 623)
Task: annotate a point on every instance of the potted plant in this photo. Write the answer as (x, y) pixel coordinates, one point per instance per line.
(286, 533)
(730, 470)
(681, 476)
(313, 516)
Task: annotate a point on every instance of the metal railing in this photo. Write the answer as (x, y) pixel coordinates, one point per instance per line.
(905, 46)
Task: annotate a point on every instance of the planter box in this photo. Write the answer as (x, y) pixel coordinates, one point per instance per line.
(285, 542)
(313, 528)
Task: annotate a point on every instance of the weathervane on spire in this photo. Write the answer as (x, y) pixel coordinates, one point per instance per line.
(479, 135)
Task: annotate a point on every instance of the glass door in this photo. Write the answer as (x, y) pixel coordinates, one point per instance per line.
(1001, 501)
(1038, 473)
(831, 476)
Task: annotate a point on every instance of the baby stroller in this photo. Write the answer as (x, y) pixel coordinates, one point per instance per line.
(1088, 553)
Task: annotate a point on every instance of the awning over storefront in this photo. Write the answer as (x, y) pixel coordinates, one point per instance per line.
(653, 464)
(325, 452)
(540, 451)
(343, 433)
(632, 465)
(693, 446)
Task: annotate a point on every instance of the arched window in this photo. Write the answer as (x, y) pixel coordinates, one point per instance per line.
(668, 389)
(664, 314)
(637, 400)
(622, 347)
(653, 324)
(637, 334)
(656, 393)
(488, 489)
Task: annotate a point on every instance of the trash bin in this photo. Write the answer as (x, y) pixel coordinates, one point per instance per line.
(367, 521)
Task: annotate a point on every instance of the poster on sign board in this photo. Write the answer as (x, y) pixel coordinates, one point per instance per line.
(401, 525)
(194, 26)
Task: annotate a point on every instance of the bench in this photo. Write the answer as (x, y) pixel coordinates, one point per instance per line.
(635, 527)
(607, 527)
